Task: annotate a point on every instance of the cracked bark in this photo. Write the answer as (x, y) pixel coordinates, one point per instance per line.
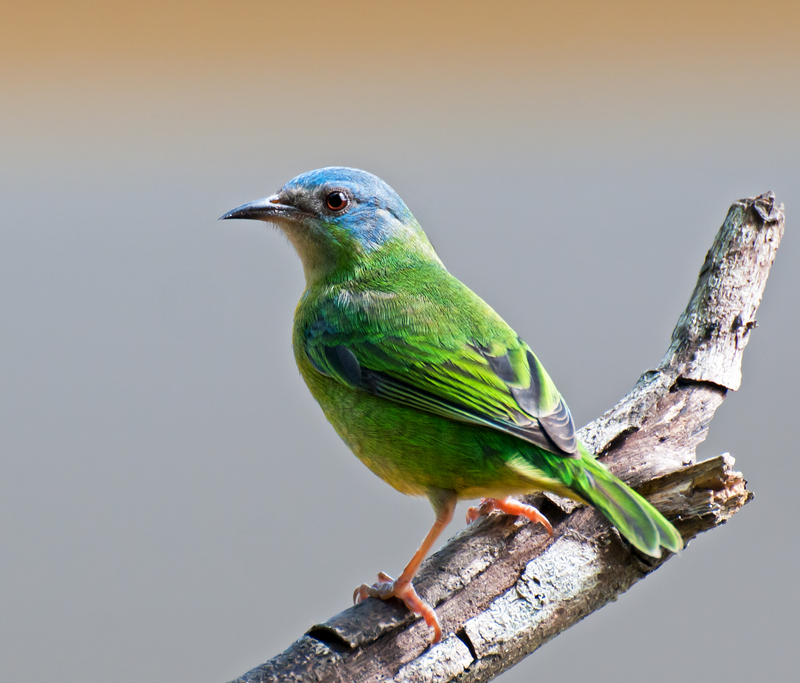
(502, 588)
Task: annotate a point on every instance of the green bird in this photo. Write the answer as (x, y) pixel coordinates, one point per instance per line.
(424, 382)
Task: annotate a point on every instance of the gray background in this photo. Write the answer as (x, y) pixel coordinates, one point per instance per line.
(173, 505)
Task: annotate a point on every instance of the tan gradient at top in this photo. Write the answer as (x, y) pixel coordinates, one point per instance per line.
(350, 39)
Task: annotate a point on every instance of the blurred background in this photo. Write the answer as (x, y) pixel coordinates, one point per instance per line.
(173, 505)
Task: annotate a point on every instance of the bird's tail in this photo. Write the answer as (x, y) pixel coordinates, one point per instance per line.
(639, 522)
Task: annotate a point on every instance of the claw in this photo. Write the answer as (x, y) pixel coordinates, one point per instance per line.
(484, 508)
(382, 589)
(444, 503)
(387, 588)
(510, 507)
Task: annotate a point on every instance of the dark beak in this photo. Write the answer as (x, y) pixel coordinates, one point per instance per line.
(265, 209)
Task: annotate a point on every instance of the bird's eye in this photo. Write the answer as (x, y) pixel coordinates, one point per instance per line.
(336, 201)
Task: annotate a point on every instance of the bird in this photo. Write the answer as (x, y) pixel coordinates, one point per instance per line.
(428, 386)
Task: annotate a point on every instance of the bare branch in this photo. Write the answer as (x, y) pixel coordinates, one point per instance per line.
(502, 587)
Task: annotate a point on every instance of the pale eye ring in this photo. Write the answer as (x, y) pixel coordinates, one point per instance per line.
(337, 201)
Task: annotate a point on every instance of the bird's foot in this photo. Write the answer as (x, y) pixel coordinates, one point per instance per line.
(388, 588)
(511, 507)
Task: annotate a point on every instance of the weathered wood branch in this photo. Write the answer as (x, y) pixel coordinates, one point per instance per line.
(502, 587)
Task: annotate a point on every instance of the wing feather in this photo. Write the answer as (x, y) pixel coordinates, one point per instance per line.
(495, 382)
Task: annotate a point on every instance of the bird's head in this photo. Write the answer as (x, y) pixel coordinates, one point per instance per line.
(341, 219)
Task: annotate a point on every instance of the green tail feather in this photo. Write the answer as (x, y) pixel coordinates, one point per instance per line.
(639, 522)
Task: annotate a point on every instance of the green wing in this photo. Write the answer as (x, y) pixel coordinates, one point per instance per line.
(413, 353)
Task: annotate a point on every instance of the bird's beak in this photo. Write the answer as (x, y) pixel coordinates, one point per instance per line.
(266, 209)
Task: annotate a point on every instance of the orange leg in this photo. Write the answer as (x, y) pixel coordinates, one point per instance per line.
(511, 507)
(443, 503)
